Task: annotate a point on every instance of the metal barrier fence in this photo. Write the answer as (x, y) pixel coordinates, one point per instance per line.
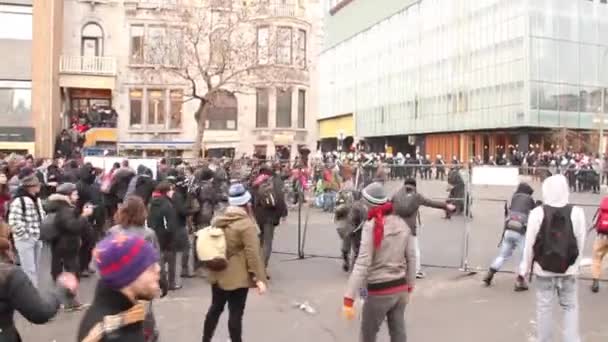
(463, 242)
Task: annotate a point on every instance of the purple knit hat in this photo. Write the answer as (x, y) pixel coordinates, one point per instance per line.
(121, 258)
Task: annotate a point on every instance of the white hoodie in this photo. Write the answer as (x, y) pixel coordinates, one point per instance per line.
(555, 194)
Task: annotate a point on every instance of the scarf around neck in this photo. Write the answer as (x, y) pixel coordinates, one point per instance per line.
(378, 213)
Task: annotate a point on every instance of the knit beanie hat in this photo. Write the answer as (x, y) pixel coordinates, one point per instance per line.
(374, 194)
(121, 258)
(66, 189)
(30, 181)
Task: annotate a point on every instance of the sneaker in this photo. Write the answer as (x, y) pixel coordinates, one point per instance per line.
(595, 287)
(520, 284)
(75, 306)
(420, 275)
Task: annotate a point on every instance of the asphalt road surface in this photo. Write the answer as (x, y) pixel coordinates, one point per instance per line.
(447, 305)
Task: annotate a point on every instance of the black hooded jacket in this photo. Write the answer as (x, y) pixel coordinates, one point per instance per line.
(69, 225)
(144, 184)
(522, 201)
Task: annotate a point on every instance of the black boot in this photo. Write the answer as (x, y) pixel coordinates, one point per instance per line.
(488, 278)
(595, 287)
(345, 262)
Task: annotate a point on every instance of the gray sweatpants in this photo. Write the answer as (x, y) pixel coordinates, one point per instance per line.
(376, 309)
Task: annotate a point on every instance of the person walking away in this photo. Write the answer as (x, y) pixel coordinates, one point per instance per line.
(600, 245)
(181, 244)
(24, 217)
(244, 268)
(18, 293)
(89, 195)
(553, 249)
(162, 218)
(142, 184)
(70, 227)
(269, 207)
(129, 277)
(514, 233)
(406, 202)
(385, 265)
(131, 219)
(439, 168)
(205, 194)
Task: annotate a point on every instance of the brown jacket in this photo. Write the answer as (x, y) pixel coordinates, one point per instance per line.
(394, 259)
(243, 250)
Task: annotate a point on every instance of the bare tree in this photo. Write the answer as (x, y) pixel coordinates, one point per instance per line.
(214, 48)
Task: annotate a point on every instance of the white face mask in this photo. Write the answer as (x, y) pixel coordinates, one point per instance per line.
(213, 167)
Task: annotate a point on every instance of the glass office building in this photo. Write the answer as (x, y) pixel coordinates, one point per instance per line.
(475, 68)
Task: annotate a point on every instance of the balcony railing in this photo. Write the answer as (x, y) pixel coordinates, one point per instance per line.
(281, 10)
(88, 65)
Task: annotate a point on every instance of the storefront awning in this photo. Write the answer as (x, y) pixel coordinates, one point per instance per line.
(333, 127)
(155, 145)
(95, 135)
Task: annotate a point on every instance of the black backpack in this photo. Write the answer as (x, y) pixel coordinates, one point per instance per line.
(556, 248)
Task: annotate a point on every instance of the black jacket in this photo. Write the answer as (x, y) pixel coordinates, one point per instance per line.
(109, 302)
(182, 211)
(421, 201)
(144, 188)
(70, 226)
(120, 183)
(273, 216)
(17, 293)
(163, 220)
(522, 201)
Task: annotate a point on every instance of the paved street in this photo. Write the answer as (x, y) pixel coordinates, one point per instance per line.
(466, 310)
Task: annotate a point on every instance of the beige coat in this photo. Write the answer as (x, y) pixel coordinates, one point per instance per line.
(245, 265)
(395, 259)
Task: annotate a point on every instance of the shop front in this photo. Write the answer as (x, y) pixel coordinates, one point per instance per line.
(337, 133)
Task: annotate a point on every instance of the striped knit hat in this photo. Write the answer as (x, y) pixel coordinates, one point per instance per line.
(121, 258)
(374, 194)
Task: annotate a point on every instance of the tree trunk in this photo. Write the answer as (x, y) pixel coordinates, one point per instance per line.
(201, 118)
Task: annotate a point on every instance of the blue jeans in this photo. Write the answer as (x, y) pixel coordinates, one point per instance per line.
(510, 241)
(566, 289)
(329, 200)
(29, 254)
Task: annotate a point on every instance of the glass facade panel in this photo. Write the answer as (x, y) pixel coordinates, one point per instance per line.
(436, 62)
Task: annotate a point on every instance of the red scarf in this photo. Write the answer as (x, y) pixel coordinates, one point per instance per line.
(377, 214)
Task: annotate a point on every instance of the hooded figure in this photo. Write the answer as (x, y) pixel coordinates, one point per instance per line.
(549, 284)
(516, 218)
(142, 184)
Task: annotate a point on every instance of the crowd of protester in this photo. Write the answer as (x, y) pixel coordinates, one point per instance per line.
(137, 228)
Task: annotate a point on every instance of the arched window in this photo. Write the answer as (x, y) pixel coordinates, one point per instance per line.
(92, 40)
(223, 114)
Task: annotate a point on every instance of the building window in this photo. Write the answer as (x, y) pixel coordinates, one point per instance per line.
(154, 50)
(301, 49)
(15, 103)
(261, 111)
(223, 114)
(137, 44)
(162, 109)
(284, 45)
(176, 98)
(263, 48)
(156, 107)
(15, 22)
(301, 108)
(92, 40)
(283, 117)
(155, 44)
(136, 97)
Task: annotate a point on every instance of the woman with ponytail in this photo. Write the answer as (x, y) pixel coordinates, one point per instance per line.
(17, 293)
